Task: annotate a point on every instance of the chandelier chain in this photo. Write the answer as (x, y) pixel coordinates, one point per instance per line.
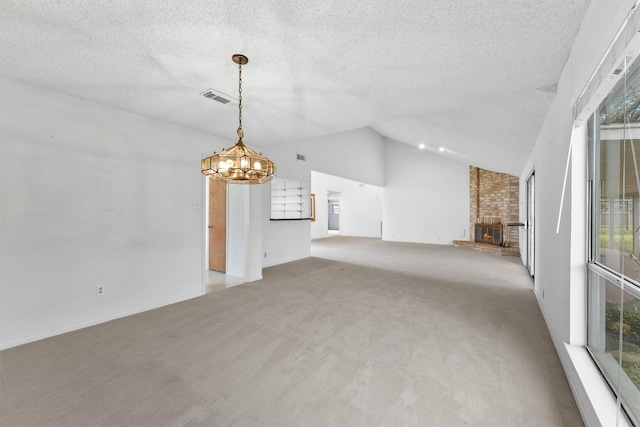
(239, 164)
(240, 96)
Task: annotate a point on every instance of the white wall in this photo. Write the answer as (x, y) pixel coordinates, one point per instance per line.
(89, 196)
(559, 282)
(285, 241)
(360, 206)
(357, 155)
(321, 185)
(244, 231)
(426, 196)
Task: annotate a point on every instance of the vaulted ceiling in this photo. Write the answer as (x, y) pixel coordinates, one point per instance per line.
(476, 77)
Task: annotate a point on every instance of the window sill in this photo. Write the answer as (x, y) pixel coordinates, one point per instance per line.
(596, 402)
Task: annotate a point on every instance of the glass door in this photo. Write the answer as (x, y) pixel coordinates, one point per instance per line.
(531, 241)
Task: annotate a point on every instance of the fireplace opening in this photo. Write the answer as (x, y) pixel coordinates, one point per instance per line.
(489, 233)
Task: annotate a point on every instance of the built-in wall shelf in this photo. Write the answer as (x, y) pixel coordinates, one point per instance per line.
(290, 200)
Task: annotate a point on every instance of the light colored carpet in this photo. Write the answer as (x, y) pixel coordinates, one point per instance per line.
(383, 334)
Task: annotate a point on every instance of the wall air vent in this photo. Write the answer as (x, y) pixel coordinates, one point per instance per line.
(216, 95)
(301, 157)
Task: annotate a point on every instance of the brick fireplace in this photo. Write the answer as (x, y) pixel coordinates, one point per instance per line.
(494, 203)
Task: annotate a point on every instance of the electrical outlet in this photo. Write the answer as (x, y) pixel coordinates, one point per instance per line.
(463, 231)
(99, 290)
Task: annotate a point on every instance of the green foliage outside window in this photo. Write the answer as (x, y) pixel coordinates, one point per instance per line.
(630, 337)
(623, 239)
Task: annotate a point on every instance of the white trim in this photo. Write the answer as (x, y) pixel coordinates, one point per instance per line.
(578, 240)
(595, 400)
(205, 231)
(621, 52)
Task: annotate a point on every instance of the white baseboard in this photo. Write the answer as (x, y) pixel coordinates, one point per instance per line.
(75, 327)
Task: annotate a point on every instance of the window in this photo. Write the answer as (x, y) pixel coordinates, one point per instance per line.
(614, 255)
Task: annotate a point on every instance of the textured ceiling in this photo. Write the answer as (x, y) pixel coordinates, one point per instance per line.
(466, 75)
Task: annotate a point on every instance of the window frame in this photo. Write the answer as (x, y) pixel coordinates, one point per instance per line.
(621, 386)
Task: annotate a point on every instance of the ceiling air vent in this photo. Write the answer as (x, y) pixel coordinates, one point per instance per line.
(216, 95)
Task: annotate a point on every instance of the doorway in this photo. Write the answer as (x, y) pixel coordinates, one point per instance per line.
(334, 216)
(217, 225)
(531, 241)
(220, 233)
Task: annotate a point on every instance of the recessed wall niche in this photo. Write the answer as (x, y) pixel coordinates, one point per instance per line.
(290, 200)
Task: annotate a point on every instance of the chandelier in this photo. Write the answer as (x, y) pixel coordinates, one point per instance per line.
(239, 164)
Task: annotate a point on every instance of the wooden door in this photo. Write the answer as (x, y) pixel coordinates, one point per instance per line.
(217, 225)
